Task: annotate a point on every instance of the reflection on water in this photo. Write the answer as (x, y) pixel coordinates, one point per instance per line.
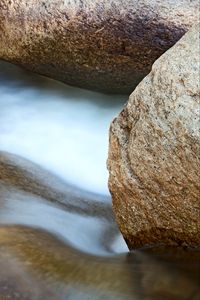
(58, 241)
(33, 197)
(38, 266)
(80, 230)
(52, 250)
(64, 129)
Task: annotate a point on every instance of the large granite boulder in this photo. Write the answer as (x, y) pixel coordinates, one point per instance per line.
(105, 45)
(154, 152)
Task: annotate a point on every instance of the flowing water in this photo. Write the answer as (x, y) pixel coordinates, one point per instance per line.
(58, 236)
(62, 128)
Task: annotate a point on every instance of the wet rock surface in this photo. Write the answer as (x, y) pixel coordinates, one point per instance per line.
(101, 45)
(154, 153)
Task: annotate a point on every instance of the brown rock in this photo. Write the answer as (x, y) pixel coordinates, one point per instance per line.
(100, 45)
(154, 148)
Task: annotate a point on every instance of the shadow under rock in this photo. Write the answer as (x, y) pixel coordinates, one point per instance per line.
(16, 78)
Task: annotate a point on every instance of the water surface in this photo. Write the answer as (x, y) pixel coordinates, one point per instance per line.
(62, 128)
(58, 236)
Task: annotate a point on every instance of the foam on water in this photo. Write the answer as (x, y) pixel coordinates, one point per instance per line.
(62, 128)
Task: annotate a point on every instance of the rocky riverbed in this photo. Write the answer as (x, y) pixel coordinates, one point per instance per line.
(58, 235)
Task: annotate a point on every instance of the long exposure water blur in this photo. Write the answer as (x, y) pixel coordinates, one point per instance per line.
(58, 235)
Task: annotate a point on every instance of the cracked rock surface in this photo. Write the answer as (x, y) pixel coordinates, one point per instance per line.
(154, 152)
(105, 45)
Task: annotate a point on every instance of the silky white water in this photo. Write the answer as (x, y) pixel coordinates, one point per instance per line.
(61, 128)
(68, 246)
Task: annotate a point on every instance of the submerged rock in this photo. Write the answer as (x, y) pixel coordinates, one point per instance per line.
(101, 45)
(154, 152)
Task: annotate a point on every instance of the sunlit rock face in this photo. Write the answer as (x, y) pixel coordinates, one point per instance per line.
(105, 45)
(154, 152)
(63, 129)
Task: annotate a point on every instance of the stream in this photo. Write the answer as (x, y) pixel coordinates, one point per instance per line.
(58, 236)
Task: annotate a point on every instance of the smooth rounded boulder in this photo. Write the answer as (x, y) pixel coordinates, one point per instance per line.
(102, 45)
(154, 153)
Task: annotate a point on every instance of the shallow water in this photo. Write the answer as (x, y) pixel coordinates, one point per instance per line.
(58, 236)
(62, 128)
